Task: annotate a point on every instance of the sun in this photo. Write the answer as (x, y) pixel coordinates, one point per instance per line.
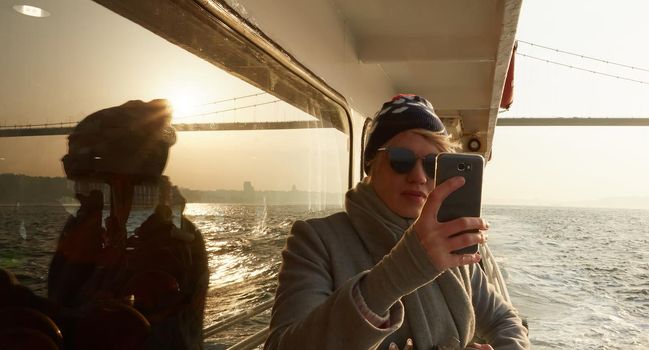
(185, 98)
(182, 104)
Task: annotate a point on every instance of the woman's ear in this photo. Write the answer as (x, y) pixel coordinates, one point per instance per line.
(371, 169)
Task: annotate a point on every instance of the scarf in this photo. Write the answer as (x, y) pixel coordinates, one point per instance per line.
(439, 313)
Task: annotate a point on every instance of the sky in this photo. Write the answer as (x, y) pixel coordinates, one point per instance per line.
(68, 65)
(583, 166)
(573, 166)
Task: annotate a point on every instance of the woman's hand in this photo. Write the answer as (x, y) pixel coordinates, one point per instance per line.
(476, 346)
(408, 346)
(439, 239)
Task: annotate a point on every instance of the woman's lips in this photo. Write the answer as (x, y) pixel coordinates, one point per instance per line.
(415, 195)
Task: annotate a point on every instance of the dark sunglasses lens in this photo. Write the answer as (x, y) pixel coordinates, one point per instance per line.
(429, 165)
(402, 160)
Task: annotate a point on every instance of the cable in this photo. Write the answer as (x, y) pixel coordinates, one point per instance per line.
(584, 56)
(583, 69)
(224, 110)
(61, 124)
(230, 99)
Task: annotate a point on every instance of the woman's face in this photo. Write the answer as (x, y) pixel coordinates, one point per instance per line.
(405, 194)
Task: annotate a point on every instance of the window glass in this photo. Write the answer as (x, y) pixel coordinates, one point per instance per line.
(254, 151)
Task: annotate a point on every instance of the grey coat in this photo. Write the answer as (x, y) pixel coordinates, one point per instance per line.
(325, 258)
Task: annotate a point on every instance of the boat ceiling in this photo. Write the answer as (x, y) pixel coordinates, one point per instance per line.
(455, 53)
(444, 50)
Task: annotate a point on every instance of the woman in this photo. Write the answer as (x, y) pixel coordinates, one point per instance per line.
(382, 273)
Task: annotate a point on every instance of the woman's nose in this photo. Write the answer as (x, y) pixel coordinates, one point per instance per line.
(417, 174)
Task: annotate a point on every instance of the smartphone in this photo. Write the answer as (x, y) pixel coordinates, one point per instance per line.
(466, 201)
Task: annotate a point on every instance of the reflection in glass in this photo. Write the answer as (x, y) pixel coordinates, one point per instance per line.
(247, 162)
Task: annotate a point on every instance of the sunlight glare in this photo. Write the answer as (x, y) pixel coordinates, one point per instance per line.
(186, 98)
(181, 104)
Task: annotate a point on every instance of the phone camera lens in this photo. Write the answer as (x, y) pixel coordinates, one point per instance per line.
(461, 167)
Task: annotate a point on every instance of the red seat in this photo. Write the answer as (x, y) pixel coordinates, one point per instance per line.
(155, 293)
(25, 339)
(18, 317)
(111, 325)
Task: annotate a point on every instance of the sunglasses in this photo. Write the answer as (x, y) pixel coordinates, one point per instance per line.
(403, 160)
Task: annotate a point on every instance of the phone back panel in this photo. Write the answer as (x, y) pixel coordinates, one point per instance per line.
(467, 200)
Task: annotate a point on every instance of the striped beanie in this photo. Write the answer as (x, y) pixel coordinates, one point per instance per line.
(403, 112)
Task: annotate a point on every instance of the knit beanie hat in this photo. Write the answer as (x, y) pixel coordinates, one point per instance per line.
(130, 139)
(403, 112)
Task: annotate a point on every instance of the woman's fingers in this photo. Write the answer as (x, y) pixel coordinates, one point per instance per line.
(464, 240)
(427, 220)
(477, 346)
(440, 249)
(465, 259)
(440, 239)
(439, 194)
(463, 224)
(409, 345)
(453, 235)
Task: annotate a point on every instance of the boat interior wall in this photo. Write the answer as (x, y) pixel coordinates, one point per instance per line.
(455, 53)
(358, 141)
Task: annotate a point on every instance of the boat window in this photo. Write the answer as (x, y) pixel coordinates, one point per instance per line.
(257, 145)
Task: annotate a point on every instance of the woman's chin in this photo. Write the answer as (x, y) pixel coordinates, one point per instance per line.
(409, 212)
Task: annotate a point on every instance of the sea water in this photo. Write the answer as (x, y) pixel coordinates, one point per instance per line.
(580, 277)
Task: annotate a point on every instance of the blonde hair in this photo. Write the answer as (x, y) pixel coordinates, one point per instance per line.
(445, 143)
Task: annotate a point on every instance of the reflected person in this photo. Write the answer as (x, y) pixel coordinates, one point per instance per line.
(101, 276)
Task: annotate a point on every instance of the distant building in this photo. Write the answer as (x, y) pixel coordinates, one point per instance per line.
(248, 194)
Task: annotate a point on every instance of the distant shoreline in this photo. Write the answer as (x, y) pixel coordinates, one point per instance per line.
(13, 205)
(21, 204)
(567, 206)
(55, 204)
